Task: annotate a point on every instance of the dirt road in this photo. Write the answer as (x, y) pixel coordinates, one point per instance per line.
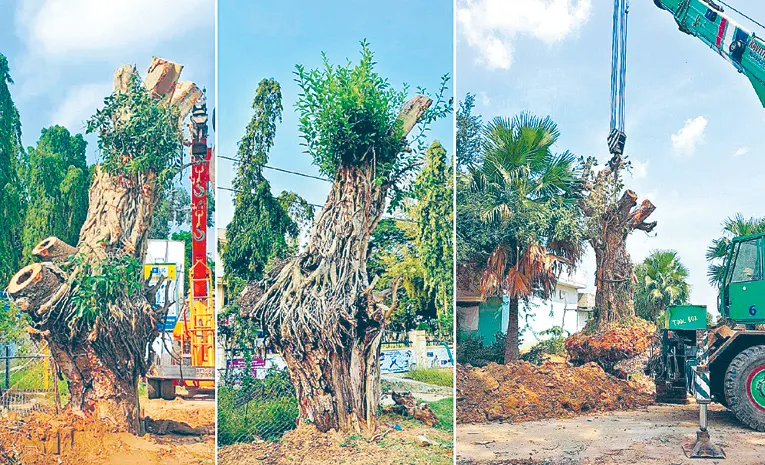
(651, 436)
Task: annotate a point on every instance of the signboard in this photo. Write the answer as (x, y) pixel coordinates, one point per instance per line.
(155, 270)
(689, 317)
(396, 361)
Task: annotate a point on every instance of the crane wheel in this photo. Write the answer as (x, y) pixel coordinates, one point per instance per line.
(745, 387)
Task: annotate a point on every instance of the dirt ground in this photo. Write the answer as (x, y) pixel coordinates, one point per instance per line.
(36, 438)
(522, 391)
(651, 435)
(307, 446)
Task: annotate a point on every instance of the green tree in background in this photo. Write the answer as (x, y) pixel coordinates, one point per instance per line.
(172, 210)
(734, 226)
(662, 280)
(12, 204)
(57, 180)
(530, 195)
(434, 219)
(260, 227)
(469, 128)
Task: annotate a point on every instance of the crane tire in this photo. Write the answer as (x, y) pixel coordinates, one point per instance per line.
(745, 387)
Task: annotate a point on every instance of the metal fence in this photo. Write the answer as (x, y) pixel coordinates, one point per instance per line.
(29, 381)
(254, 404)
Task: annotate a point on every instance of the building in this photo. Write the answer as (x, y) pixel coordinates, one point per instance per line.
(568, 307)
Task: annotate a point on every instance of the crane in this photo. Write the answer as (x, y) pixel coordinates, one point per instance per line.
(725, 362)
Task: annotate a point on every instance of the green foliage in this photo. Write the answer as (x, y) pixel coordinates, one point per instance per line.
(469, 129)
(444, 410)
(349, 117)
(434, 219)
(261, 226)
(257, 409)
(57, 180)
(734, 226)
(12, 195)
(233, 330)
(172, 210)
(472, 351)
(553, 345)
(662, 280)
(437, 376)
(137, 134)
(184, 236)
(99, 287)
(529, 194)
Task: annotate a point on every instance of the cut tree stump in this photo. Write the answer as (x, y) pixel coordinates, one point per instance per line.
(407, 404)
(53, 249)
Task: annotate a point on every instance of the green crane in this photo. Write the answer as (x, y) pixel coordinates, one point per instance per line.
(725, 363)
(708, 21)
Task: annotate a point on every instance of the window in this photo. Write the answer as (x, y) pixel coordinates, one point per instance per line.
(748, 262)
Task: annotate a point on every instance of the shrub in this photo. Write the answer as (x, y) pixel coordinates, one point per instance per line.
(472, 351)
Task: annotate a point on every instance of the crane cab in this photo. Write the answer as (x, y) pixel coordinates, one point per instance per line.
(742, 296)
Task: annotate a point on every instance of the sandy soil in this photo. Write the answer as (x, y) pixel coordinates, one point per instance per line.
(307, 446)
(653, 435)
(35, 439)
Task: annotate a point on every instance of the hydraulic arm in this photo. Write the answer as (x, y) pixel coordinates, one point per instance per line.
(709, 22)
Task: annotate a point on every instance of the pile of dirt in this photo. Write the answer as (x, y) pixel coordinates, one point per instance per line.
(389, 445)
(613, 345)
(523, 391)
(45, 438)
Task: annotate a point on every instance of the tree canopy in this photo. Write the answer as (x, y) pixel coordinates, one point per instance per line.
(434, 219)
(57, 180)
(662, 280)
(261, 226)
(12, 204)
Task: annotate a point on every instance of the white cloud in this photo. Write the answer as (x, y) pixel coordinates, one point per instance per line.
(485, 100)
(491, 26)
(685, 141)
(741, 151)
(79, 104)
(77, 29)
(639, 168)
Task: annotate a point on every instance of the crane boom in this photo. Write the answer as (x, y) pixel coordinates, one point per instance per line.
(709, 22)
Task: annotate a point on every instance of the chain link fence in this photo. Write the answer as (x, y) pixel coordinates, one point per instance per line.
(258, 403)
(29, 381)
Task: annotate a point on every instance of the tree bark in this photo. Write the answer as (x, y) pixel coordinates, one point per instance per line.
(102, 361)
(319, 309)
(512, 352)
(614, 221)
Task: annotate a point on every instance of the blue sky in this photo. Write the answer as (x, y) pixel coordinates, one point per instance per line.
(692, 121)
(412, 40)
(63, 53)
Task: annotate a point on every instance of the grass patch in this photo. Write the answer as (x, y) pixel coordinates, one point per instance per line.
(437, 376)
(444, 410)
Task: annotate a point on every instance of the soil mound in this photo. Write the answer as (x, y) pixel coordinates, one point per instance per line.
(613, 345)
(307, 446)
(523, 391)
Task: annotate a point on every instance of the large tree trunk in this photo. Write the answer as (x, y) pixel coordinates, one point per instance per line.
(511, 337)
(102, 361)
(319, 309)
(614, 222)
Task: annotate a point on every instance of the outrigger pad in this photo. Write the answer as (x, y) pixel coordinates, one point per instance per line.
(703, 448)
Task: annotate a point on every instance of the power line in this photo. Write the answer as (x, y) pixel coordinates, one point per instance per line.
(742, 14)
(296, 173)
(406, 220)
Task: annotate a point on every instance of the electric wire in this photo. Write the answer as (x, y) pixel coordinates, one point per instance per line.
(742, 14)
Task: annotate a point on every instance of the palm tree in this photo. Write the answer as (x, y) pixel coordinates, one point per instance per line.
(662, 280)
(717, 251)
(531, 196)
